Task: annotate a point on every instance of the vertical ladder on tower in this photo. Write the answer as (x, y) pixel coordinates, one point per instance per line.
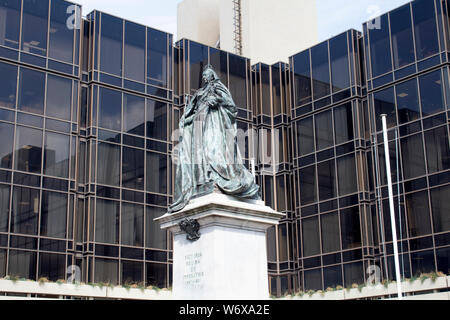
(237, 27)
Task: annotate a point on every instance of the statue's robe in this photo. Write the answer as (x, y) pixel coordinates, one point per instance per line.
(208, 156)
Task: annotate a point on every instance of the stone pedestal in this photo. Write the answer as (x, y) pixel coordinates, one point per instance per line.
(229, 260)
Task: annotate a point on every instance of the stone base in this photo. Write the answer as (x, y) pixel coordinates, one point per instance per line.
(229, 260)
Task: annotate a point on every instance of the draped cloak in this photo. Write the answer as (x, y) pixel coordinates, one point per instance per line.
(208, 153)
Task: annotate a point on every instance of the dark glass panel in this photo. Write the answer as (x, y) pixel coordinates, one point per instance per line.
(320, 70)
(271, 244)
(4, 207)
(106, 271)
(132, 225)
(265, 90)
(156, 172)
(56, 156)
(437, 146)
(268, 191)
(156, 275)
(282, 243)
(343, 123)
(385, 104)
(134, 50)
(422, 262)
(305, 136)
(282, 192)
(442, 258)
(35, 26)
(25, 211)
(412, 156)
(401, 227)
(154, 236)
(347, 179)
(54, 214)
(219, 61)
(3, 262)
(157, 57)
(431, 93)
(107, 221)
(110, 109)
(61, 36)
(111, 45)
(425, 28)
(22, 264)
(198, 61)
(302, 78)
(327, 180)
(402, 36)
(332, 277)
(311, 237)
(9, 30)
(108, 164)
(353, 273)
(380, 47)
(408, 101)
(59, 97)
(28, 154)
(9, 84)
(382, 162)
(418, 214)
(156, 120)
(133, 168)
(330, 233)
(313, 280)
(340, 71)
(350, 228)
(324, 130)
(238, 82)
(31, 91)
(132, 272)
(6, 147)
(52, 266)
(133, 114)
(276, 90)
(440, 205)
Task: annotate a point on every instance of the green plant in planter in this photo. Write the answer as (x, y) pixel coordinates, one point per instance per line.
(385, 283)
(339, 287)
(300, 294)
(60, 281)
(13, 278)
(361, 286)
(310, 292)
(424, 277)
(43, 280)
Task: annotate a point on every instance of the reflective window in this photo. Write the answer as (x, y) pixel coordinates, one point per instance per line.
(265, 89)
(9, 84)
(56, 156)
(282, 242)
(380, 47)
(340, 70)
(155, 237)
(132, 272)
(107, 221)
(412, 157)
(22, 264)
(238, 82)
(302, 78)
(327, 180)
(134, 62)
(156, 274)
(382, 162)
(443, 260)
(35, 26)
(28, 150)
(308, 191)
(108, 164)
(425, 28)
(106, 271)
(347, 175)
(271, 244)
(408, 101)
(353, 273)
(4, 207)
(343, 123)
(330, 233)
(52, 266)
(324, 130)
(313, 280)
(9, 30)
(431, 93)
(198, 60)
(418, 213)
(2, 262)
(25, 211)
(385, 104)
(157, 57)
(59, 97)
(437, 146)
(133, 168)
(133, 114)
(320, 70)
(402, 37)
(305, 136)
(61, 37)
(132, 225)
(219, 61)
(6, 147)
(156, 172)
(110, 109)
(311, 238)
(31, 91)
(156, 120)
(53, 214)
(350, 228)
(111, 45)
(332, 277)
(441, 207)
(422, 262)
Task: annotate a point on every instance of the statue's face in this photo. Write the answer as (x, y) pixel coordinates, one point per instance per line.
(208, 76)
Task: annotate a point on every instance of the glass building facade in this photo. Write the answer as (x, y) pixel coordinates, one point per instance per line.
(89, 110)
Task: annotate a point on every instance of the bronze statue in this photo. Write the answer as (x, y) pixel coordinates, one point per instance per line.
(208, 154)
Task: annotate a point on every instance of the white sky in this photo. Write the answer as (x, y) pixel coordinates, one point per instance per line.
(334, 16)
